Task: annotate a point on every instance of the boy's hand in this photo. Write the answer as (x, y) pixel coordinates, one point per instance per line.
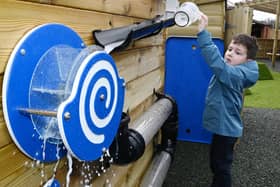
(203, 22)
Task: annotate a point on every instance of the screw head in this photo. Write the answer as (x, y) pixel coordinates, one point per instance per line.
(102, 96)
(22, 52)
(67, 115)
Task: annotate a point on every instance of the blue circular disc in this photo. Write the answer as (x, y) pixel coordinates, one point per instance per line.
(16, 84)
(89, 119)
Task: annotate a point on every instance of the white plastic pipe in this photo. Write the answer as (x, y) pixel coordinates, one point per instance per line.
(157, 171)
(151, 121)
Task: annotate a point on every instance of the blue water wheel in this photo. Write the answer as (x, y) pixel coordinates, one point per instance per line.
(49, 95)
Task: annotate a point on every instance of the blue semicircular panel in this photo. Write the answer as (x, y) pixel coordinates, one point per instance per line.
(16, 89)
(89, 119)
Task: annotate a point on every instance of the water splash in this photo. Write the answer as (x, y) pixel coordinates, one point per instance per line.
(49, 183)
(70, 163)
(52, 182)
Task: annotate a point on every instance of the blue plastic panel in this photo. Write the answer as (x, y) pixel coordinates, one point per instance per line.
(16, 85)
(186, 80)
(95, 106)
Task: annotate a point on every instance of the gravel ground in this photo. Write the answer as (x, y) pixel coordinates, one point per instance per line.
(256, 160)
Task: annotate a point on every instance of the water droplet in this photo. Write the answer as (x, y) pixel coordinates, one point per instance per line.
(38, 163)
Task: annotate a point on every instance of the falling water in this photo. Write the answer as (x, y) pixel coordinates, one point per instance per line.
(51, 180)
(70, 163)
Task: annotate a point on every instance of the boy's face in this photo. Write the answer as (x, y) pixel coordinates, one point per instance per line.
(236, 54)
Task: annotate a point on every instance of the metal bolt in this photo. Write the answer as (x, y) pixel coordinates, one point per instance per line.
(22, 52)
(67, 115)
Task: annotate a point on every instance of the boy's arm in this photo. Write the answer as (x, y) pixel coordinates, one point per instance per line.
(231, 76)
(209, 50)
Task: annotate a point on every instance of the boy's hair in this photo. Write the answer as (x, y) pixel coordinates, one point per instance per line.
(249, 42)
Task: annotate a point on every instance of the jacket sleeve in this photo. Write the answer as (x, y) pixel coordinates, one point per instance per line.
(232, 76)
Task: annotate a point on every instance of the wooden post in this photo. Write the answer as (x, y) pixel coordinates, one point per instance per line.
(275, 42)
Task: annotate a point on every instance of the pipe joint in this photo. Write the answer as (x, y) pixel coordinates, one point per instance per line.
(128, 146)
(169, 129)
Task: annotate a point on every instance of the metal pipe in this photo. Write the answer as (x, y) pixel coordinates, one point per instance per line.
(157, 171)
(151, 121)
(38, 112)
(129, 144)
(30, 111)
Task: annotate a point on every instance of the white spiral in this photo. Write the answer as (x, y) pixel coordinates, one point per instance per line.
(101, 82)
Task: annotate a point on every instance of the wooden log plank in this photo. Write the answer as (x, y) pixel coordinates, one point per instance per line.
(10, 160)
(138, 168)
(127, 175)
(18, 170)
(134, 8)
(138, 110)
(137, 91)
(19, 17)
(113, 177)
(36, 175)
(217, 31)
(4, 135)
(135, 63)
(200, 2)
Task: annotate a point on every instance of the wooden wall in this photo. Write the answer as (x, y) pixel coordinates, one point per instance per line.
(265, 46)
(239, 20)
(141, 65)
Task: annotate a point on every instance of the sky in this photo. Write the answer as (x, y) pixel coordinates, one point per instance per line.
(257, 15)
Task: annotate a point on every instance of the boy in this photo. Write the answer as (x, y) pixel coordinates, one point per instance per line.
(231, 74)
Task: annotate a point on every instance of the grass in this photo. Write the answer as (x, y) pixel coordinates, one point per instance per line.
(265, 93)
(264, 72)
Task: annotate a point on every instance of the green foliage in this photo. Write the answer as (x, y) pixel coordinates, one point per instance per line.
(265, 94)
(264, 72)
(247, 91)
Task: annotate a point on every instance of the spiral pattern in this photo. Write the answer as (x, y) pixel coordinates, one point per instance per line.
(101, 65)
